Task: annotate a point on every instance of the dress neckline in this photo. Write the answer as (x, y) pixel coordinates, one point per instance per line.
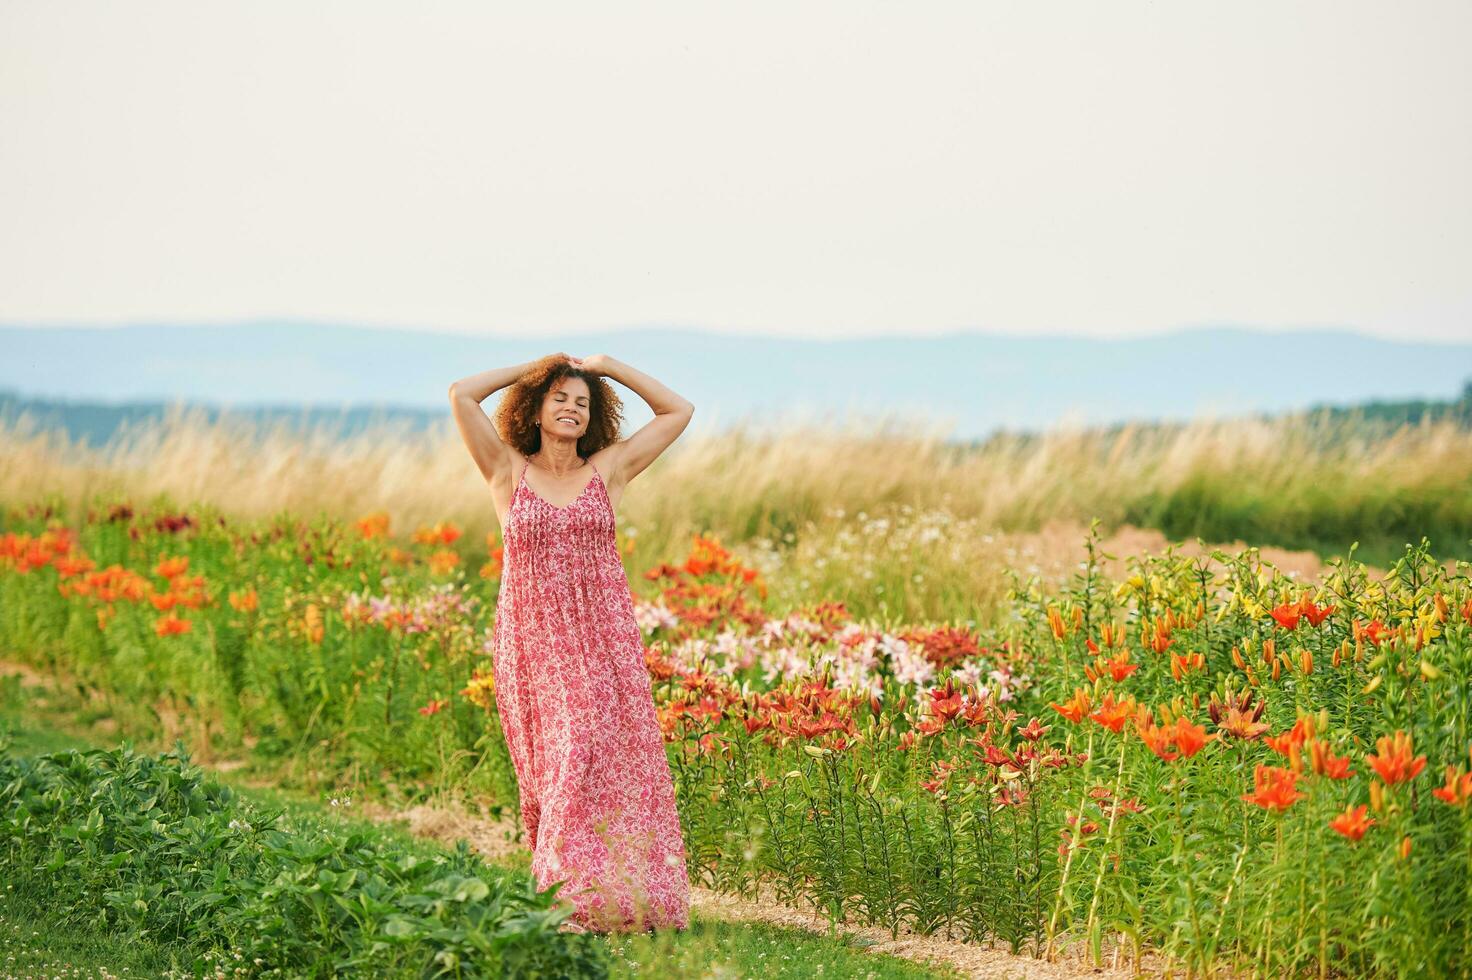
(589, 483)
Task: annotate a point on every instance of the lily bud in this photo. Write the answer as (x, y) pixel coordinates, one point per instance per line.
(1237, 659)
(1405, 847)
(1306, 661)
(1442, 610)
(1428, 671)
(1055, 623)
(1377, 797)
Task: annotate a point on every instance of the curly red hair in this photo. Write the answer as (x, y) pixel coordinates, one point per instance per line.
(516, 415)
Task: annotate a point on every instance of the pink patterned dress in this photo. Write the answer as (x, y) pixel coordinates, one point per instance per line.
(597, 797)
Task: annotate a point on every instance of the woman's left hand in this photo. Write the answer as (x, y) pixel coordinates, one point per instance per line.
(595, 364)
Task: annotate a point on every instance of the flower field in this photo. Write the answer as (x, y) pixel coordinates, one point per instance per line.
(1206, 759)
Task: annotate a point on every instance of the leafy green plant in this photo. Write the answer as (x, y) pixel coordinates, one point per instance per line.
(147, 845)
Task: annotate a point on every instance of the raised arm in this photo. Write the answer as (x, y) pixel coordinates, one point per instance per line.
(672, 414)
(491, 455)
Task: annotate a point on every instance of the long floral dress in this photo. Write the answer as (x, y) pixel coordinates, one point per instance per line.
(597, 797)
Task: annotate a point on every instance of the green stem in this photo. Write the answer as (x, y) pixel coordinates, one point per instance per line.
(1108, 839)
(1068, 861)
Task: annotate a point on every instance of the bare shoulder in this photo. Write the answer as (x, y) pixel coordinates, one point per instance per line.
(517, 465)
(609, 461)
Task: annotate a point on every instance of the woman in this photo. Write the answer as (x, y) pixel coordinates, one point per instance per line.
(571, 688)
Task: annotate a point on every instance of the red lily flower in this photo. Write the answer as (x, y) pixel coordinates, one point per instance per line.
(945, 702)
(1033, 731)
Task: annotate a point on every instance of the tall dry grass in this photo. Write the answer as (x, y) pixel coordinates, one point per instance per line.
(853, 511)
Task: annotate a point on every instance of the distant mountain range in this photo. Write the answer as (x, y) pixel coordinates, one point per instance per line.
(91, 380)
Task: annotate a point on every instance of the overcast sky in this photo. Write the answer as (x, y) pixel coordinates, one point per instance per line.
(798, 168)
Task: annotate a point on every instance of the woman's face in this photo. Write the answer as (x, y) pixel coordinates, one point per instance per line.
(568, 398)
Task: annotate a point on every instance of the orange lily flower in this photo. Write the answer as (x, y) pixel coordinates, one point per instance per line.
(1113, 714)
(1191, 738)
(1156, 738)
(1237, 715)
(1394, 763)
(1458, 788)
(1118, 668)
(172, 625)
(1374, 632)
(172, 567)
(1326, 763)
(1275, 788)
(1352, 823)
(1315, 614)
(1076, 707)
(1287, 615)
(1182, 664)
(1290, 740)
(374, 525)
(1241, 724)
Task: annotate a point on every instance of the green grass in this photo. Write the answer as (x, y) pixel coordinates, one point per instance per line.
(32, 943)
